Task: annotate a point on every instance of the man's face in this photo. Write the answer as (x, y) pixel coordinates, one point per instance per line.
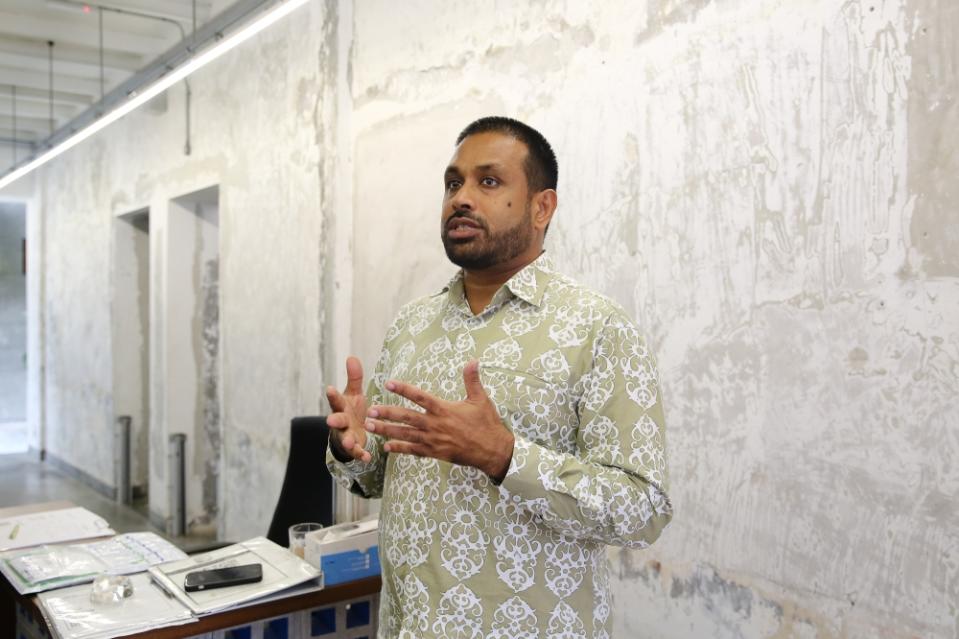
(486, 218)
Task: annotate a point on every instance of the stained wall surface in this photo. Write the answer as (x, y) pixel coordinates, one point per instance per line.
(260, 132)
(768, 186)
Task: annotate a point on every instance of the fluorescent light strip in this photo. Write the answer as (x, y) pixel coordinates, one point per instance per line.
(158, 87)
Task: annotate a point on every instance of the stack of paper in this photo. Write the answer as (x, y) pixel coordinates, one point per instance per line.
(281, 570)
(162, 602)
(49, 567)
(71, 615)
(51, 527)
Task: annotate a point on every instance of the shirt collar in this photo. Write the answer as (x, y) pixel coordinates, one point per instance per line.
(528, 284)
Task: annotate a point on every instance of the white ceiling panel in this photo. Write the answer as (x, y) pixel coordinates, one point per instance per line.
(134, 32)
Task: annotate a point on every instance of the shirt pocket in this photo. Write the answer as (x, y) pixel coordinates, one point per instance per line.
(533, 408)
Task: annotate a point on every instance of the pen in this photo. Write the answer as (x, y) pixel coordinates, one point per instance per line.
(13, 533)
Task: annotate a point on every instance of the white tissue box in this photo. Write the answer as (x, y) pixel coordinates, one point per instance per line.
(345, 552)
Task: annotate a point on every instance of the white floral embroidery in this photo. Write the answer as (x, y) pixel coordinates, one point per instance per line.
(504, 353)
(408, 514)
(601, 596)
(514, 619)
(460, 614)
(602, 439)
(416, 606)
(564, 623)
(464, 540)
(515, 544)
(647, 449)
(551, 365)
(570, 375)
(566, 564)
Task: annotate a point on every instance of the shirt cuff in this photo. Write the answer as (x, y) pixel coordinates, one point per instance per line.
(532, 469)
(357, 466)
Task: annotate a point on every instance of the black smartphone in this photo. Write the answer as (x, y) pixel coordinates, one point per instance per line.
(221, 577)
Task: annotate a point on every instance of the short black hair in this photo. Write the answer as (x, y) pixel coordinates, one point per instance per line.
(541, 167)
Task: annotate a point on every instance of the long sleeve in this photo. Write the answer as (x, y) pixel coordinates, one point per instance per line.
(365, 479)
(613, 488)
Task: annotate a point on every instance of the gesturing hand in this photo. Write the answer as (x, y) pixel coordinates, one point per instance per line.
(347, 436)
(468, 432)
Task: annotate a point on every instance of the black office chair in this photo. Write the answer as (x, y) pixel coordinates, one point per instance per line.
(307, 493)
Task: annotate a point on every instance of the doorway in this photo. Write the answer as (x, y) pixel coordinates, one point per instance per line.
(131, 351)
(13, 328)
(192, 317)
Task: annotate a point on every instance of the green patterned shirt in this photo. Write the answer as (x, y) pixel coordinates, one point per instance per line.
(572, 377)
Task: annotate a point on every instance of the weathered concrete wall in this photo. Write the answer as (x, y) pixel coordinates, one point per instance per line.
(262, 122)
(769, 186)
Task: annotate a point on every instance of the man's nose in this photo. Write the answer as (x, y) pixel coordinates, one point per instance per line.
(463, 198)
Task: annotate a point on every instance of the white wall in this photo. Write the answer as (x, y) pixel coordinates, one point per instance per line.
(767, 185)
(263, 123)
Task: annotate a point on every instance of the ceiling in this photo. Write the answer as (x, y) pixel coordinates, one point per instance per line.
(135, 32)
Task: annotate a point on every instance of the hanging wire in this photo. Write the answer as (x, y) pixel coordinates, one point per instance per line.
(13, 100)
(50, 49)
(187, 147)
(100, 16)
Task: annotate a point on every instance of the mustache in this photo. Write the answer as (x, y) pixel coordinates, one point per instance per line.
(466, 214)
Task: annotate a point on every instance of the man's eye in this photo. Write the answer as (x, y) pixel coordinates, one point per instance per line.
(452, 185)
(490, 181)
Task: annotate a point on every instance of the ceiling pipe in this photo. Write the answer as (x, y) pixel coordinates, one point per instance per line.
(13, 104)
(234, 25)
(100, 21)
(87, 6)
(73, 6)
(16, 141)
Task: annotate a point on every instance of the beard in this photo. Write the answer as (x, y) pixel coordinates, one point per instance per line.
(488, 249)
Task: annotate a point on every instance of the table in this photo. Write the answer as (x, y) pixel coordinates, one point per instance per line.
(9, 598)
(8, 594)
(256, 612)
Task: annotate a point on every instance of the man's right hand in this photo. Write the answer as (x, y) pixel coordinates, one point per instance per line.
(347, 435)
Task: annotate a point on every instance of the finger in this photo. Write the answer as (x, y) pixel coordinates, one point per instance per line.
(404, 448)
(415, 395)
(395, 431)
(360, 453)
(339, 421)
(472, 381)
(335, 399)
(354, 376)
(351, 446)
(399, 414)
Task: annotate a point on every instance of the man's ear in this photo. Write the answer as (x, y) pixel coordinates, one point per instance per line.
(544, 205)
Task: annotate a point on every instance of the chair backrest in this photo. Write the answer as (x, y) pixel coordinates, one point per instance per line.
(307, 493)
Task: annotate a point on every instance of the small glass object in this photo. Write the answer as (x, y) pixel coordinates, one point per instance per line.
(298, 533)
(111, 589)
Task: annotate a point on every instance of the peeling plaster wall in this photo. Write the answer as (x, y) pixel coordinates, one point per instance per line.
(769, 186)
(262, 121)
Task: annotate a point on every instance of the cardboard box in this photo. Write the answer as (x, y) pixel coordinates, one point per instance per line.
(346, 551)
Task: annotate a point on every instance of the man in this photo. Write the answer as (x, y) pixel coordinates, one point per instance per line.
(513, 426)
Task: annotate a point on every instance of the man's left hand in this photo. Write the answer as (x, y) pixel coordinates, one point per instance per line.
(468, 432)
